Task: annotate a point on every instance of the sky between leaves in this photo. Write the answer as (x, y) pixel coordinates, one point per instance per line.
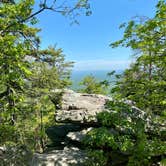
(88, 43)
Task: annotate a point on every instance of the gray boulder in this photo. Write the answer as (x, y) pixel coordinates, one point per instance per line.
(80, 107)
(76, 114)
(79, 135)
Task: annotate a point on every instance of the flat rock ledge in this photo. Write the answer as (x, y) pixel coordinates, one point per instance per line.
(66, 157)
(80, 107)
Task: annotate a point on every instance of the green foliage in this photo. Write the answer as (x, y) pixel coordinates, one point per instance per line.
(15, 45)
(163, 162)
(127, 135)
(50, 72)
(28, 74)
(16, 155)
(7, 132)
(91, 85)
(97, 156)
(144, 82)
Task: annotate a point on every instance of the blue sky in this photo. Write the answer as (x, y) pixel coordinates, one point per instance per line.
(88, 43)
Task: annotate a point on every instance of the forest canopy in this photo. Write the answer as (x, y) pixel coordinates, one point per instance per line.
(29, 73)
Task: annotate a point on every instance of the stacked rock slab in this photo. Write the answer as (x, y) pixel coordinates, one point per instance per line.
(80, 107)
(75, 117)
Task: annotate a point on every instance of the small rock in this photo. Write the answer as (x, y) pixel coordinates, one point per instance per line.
(78, 136)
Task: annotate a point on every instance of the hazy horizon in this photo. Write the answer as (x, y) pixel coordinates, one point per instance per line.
(77, 76)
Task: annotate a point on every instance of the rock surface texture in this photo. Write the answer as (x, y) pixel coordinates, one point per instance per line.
(65, 157)
(76, 117)
(80, 108)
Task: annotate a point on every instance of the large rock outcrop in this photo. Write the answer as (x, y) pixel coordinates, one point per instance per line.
(76, 116)
(80, 107)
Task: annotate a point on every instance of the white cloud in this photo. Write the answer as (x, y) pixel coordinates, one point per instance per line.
(101, 64)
